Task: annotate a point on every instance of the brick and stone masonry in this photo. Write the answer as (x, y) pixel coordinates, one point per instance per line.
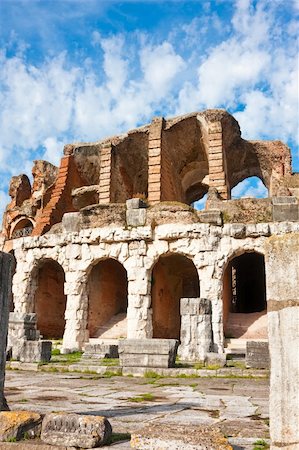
(5, 293)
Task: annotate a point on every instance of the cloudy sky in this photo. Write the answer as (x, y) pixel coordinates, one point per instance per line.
(80, 70)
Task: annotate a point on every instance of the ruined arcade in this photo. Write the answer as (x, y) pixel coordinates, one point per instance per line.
(109, 246)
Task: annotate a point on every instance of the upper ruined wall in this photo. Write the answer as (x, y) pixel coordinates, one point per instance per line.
(178, 159)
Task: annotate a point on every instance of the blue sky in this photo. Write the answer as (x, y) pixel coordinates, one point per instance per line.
(73, 70)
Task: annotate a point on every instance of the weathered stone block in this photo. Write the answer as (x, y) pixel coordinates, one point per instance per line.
(14, 425)
(215, 359)
(211, 216)
(147, 352)
(5, 296)
(136, 217)
(135, 203)
(196, 329)
(71, 222)
(99, 351)
(36, 351)
(285, 212)
(75, 430)
(257, 355)
(22, 327)
(179, 437)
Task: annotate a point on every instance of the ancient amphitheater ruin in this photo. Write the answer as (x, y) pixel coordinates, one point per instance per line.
(109, 246)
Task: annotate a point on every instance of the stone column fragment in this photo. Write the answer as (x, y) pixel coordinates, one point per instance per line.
(5, 295)
(282, 270)
(196, 329)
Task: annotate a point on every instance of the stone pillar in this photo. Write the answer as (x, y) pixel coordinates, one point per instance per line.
(216, 160)
(196, 329)
(105, 174)
(282, 275)
(5, 294)
(155, 160)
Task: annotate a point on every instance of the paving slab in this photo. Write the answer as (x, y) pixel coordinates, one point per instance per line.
(238, 406)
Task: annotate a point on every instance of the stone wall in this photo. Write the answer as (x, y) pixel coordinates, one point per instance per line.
(283, 323)
(5, 293)
(209, 247)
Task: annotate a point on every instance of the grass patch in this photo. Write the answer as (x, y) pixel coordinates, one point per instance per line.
(152, 374)
(109, 362)
(110, 374)
(55, 352)
(260, 444)
(67, 358)
(148, 397)
(23, 400)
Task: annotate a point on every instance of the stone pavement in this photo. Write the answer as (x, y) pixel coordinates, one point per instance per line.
(239, 406)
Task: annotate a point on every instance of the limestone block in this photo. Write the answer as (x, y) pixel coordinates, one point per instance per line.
(36, 351)
(75, 430)
(257, 355)
(215, 359)
(14, 425)
(212, 216)
(196, 329)
(99, 351)
(179, 437)
(71, 222)
(5, 297)
(135, 217)
(238, 230)
(147, 352)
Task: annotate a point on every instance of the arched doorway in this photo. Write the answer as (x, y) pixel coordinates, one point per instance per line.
(50, 300)
(107, 300)
(173, 277)
(244, 297)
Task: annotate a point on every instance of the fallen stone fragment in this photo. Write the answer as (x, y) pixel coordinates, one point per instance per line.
(15, 425)
(179, 437)
(76, 430)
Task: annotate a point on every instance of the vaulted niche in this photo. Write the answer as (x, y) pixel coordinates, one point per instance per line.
(185, 167)
(244, 297)
(49, 300)
(173, 277)
(107, 300)
(129, 167)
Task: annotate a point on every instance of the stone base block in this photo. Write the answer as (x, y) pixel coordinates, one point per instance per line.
(179, 437)
(75, 430)
(100, 351)
(257, 355)
(215, 359)
(147, 352)
(14, 425)
(36, 351)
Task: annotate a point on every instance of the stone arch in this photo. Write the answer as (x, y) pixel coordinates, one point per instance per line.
(244, 296)
(107, 289)
(49, 299)
(174, 276)
(21, 227)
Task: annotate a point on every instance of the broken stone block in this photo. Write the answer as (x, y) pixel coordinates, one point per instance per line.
(147, 352)
(36, 351)
(215, 359)
(135, 217)
(257, 355)
(75, 430)
(99, 351)
(135, 203)
(22, 327)
(179, 437)
(15, 425)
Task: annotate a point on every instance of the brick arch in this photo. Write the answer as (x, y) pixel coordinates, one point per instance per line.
(49, 301)
(244, 295)
(22, 226)
(173, 276)
(107, 290)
